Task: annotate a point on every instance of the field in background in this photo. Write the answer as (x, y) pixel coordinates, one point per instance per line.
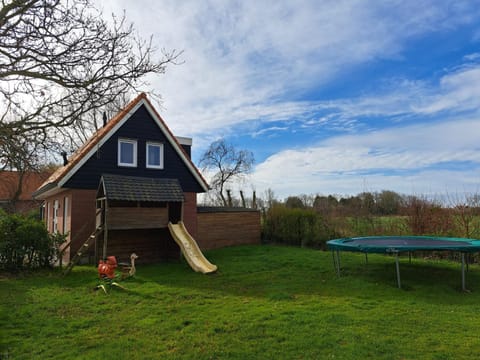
(266, 302)
(313, 227)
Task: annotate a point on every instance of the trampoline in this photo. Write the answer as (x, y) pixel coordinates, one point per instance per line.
(401, 244)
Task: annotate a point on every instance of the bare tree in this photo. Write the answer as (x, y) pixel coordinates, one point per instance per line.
(228, 164)
(60, 61)
(465, 213)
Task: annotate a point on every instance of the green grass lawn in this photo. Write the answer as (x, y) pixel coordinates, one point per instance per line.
(265, 302)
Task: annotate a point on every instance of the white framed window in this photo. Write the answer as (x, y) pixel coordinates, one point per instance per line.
(47, 221)
(43, 211)
(56, 206)
(65, 214)
(127, 152)
(154, 155)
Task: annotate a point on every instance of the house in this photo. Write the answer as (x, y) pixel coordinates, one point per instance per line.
(16, 189)
(132, 187)
(135, 143)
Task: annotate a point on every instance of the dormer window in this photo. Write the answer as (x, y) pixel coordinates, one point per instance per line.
(127, 152)
(154, 155)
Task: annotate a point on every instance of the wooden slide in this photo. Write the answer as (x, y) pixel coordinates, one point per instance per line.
(190, 249)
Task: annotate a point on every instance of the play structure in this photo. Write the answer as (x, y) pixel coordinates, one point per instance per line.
(190, 249)
(396, 245)
(143, 215)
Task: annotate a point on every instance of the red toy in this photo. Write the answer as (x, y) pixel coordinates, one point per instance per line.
(106, 269)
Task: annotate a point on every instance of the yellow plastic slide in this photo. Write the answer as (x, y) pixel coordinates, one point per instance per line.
(190, 249)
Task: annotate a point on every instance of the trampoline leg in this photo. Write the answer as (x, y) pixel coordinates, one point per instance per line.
(397, 265)
(409, 257)
(336, 262)
(463, 272)
(366, 258)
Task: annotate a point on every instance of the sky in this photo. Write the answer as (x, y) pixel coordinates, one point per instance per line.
(332, 97)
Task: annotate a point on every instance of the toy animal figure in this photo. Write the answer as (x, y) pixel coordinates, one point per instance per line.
(129, 269)
(106, 269)
(106, 272)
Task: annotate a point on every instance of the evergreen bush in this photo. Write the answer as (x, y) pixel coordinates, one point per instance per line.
(26, 244)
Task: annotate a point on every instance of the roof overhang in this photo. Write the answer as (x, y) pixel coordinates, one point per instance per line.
(47, 191)
(184, 140)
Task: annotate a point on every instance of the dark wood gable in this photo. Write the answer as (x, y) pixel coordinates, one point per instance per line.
(142, 128)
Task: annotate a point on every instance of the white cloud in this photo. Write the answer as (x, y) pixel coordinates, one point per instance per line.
(270, 130)
(242, 58)
(401, 101)
(458, 91)
(248, 63)
(393, 159)
(472, 57)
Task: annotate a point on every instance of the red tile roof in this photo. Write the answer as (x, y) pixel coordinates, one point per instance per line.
(9, 182)
(76, 158)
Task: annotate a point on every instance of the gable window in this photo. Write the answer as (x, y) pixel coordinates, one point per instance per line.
(154, 155)
(127, 152)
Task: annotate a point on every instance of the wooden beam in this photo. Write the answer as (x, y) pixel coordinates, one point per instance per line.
(105, 231)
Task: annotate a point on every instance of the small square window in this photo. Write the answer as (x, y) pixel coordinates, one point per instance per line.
(154, 155)
(127, 152)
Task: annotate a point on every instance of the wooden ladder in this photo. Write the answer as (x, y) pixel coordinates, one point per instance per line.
(81, 251)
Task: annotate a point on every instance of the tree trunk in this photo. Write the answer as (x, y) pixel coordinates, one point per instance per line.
(243, 199)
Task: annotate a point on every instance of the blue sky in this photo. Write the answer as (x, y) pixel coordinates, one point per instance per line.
(332, 97)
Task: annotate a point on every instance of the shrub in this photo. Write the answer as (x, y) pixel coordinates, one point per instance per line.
(298, 227)
(26, 244)
(427, 218)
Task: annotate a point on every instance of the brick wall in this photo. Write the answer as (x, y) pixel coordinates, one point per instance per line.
(63, 217)
(83, 217)
(190, 213)
(220, 227)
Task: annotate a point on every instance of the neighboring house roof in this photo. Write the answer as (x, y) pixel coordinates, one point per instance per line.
(56, 181)
(10, 180)
(133, 188)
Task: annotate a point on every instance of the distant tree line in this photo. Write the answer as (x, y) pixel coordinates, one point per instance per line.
(383, 203)
(311, 220)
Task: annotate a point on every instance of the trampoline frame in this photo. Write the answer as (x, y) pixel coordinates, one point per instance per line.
(402, 244)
